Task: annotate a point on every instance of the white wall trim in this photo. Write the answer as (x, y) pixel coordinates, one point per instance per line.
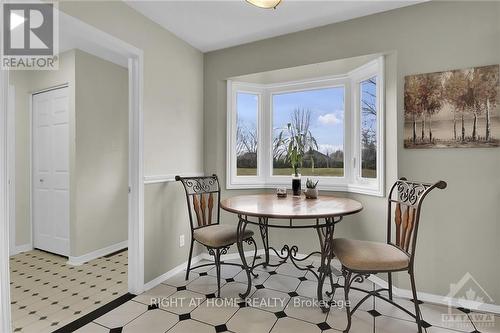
(77, 261)
(21, 248)
(11, 168)
(5, 311)
(435, 299)
(44, 90)
(30, 161)
(203, 256)
(167, 275)
(156, 179)
(136, 174)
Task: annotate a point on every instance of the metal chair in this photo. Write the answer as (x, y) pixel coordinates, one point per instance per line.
(203, 198)
(360, 259)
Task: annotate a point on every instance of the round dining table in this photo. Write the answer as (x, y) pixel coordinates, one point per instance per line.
(291, 212)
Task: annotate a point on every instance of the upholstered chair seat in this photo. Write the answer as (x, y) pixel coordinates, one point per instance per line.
(360, 259)
(360, 255)
(203, 204)
(219, 235)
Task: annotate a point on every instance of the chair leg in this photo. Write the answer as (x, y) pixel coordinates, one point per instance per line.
(189, 260)
(217, 269)
(347, 286)
(415, 301)
(389, 282)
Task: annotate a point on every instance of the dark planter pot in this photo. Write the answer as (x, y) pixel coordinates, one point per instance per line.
(296, 185)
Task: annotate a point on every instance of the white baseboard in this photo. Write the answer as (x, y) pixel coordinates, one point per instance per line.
(21, 248)
(435, 299)
(77, 261)
(156, 281)
(203, 256)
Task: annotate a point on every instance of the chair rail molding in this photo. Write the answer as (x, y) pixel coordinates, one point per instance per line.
(167, 178)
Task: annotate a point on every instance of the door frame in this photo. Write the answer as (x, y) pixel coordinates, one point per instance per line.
(136, 165)
(11, 166)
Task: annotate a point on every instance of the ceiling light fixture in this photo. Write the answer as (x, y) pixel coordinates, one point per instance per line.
(267, 4)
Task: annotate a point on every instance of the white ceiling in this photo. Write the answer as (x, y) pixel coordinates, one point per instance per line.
(210, 25)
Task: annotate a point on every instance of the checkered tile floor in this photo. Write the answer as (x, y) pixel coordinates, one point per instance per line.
(280, 302)
(47, 294)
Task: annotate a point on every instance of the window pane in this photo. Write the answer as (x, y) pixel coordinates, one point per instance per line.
(247, 106)
(319, 115)
(369, 128)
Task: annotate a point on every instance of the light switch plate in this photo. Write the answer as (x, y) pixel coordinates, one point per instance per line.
(181, 240)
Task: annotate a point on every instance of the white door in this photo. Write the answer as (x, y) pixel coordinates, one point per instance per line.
(51, 171)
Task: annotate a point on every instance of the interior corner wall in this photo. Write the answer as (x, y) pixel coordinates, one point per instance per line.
(22, 224)
(100, 174)
(173, 121)
(461, 224)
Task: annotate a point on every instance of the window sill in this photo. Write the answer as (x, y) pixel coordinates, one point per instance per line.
(349, 188)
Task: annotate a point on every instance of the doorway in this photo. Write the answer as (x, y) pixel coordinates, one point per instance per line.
(94, 39)
(79, 191)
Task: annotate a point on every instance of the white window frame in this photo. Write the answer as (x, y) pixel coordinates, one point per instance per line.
(352, 180)
(372, 186)
(244, 181)
(336, 183)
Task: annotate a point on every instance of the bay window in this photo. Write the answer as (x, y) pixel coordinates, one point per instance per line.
(341, 118)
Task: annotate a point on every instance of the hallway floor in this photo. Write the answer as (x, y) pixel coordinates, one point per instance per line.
(47, 294)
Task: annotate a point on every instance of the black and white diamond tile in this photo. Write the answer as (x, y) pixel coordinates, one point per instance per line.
(221, 328)
(291, 312)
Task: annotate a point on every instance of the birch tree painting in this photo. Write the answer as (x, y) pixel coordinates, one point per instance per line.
(456, 108)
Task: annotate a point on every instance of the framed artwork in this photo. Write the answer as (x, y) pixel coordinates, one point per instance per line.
(453, 109)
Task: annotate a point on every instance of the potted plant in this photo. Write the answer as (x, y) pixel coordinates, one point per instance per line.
(298, 140)
(311, 191)
(294, 156)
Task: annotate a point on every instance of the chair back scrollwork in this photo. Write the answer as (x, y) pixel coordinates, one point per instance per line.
(203, 199)
(405, 199)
